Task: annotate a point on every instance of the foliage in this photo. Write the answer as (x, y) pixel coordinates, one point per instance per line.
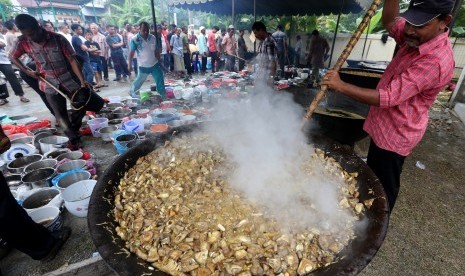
(134, 11)
(8, 9)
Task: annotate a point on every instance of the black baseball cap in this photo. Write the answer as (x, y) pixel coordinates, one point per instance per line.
(421, 12)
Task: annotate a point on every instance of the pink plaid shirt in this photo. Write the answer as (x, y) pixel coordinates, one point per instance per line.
(407, 90)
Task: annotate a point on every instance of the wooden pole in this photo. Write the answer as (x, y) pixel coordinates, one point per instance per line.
(345, 54)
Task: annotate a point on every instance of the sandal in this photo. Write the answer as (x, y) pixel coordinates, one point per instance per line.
(2, 102)
(24, 99)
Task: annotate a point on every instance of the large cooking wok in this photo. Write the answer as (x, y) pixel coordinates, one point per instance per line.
(110, 246)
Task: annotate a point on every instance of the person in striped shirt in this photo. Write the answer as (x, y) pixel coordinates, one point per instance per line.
(422, 67)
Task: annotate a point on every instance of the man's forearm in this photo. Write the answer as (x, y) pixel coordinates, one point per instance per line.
(390, 12)
(130, 58)
(19, 64)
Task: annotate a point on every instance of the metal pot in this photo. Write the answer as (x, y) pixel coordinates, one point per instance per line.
(121, 113)
(53, 142)
(72, 155)
(126, 138)
(39, 178)
(72, 178)
(50, 130)
(13, 181)
(23, 140)
(40, 198)
(351, 260)
(17, 166)
(55, 153)
(44, 163)
(71, 165)
(106, 133)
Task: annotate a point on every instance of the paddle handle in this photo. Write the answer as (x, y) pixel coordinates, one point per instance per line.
(343, 57)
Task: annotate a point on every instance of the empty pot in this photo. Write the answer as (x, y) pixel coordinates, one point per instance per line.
(72, 178)
(44, 163)
(71, 165)
(42, 197)
(23, 140)
(126, 138)
(13, 181)
(17, 166)
(106, 133)
(55, 153)
(72, 155)
(39, 178)
(53, 142)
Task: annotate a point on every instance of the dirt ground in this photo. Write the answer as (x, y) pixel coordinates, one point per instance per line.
(426, 235)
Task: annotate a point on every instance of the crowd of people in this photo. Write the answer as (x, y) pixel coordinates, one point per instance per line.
(179, 53)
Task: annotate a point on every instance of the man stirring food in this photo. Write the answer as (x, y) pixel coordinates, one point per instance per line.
(422, 67)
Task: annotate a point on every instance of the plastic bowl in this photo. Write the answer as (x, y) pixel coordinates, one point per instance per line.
(158, 128)
(77, 196)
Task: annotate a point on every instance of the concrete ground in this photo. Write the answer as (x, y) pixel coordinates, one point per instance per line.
(426, 235)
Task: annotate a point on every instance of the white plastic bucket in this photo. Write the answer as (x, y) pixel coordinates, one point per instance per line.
(48, 216)
(77, 197)
(96, 124)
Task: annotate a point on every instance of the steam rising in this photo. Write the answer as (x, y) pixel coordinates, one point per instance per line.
(262, 136)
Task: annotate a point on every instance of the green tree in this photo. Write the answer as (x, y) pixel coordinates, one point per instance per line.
(7, 8)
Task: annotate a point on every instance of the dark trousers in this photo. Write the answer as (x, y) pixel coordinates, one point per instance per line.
(230, 62)
(204, 64)
(241, 62)
(195, 62)
(187, 63)
(34, 84)
(214, 60)
(10, 76)
(69, 124)
(120, 64)
(105, 67)
(171, 62)
(387, 166)
(88, 72)
(19, 230)
(166, 62)
(281, 61)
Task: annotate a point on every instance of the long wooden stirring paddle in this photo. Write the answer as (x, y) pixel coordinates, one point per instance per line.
(345, 54)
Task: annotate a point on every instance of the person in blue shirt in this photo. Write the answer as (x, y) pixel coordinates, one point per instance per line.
(82, 51)
(148, 56)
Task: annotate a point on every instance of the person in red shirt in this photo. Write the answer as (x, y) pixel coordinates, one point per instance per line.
(422, 67)
(212, 47)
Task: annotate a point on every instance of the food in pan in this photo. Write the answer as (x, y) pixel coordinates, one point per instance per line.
(177, 210)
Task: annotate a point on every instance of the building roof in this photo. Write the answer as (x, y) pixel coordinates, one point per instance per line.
(272, 7)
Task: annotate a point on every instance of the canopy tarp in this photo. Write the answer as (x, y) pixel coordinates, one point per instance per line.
(270, 7)
(55, 3)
